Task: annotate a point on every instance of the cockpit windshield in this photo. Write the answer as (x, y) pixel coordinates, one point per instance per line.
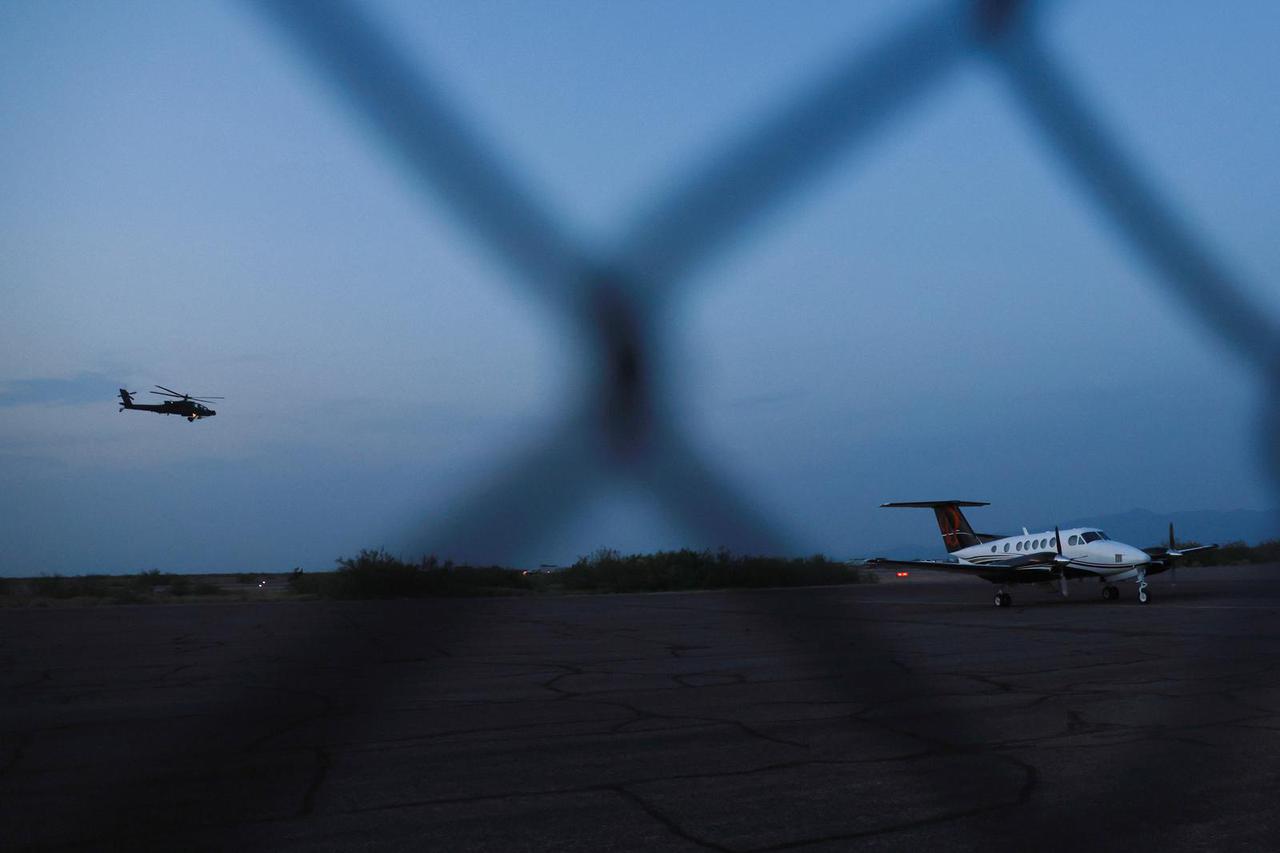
(1093, 535)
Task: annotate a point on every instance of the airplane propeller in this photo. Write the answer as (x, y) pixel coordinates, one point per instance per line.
(1060, 561)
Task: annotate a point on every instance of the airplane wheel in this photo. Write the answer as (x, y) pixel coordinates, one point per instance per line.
(1110, 593)
(1143, 596)
(1004, 599)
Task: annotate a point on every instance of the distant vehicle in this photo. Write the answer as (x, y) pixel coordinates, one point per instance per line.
(1081, 552)
(184, 405)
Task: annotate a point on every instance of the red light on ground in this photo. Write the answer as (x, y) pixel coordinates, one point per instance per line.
(903, 574)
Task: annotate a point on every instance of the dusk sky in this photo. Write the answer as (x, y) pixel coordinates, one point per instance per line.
(940, 314)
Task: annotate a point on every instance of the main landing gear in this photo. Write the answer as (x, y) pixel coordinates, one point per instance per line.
(1110, 593)
(1004, 599)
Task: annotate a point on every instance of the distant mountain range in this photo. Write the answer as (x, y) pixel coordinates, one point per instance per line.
(1143, 528)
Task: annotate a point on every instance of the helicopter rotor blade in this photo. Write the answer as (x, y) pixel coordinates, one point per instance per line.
(206, 399)
(171, 391)
(163, 394)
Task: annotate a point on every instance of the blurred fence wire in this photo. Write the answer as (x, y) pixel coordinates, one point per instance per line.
(622, 428)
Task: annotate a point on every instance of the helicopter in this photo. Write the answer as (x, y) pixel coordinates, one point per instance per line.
(185, 405)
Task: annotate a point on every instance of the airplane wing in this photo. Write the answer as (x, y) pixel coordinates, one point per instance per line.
(1182, 552)
(1025, 568)
(932, 565)
(1164, 559)
(1166, 556)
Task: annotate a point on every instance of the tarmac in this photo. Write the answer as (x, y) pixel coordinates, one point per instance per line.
(895, 716)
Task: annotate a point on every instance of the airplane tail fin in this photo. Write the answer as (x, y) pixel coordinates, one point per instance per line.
(956, 531)
(126, 400)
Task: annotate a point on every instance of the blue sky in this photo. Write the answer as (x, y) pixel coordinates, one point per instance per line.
(941, 314)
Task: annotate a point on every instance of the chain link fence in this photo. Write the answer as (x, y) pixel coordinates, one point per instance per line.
(622, 428)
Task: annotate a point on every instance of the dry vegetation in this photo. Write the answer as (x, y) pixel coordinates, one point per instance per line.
(378, 574)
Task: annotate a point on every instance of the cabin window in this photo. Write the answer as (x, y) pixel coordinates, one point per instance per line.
(993, 549)
(1074, 540)
(1053, 543)
(1040, 544)
(1019, 545)
(1006, 547)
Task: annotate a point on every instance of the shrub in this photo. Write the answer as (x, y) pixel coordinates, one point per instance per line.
(607, 570)
(378, 574)
(314, 584)
(152, 578)
(82, 586)
(128, 595)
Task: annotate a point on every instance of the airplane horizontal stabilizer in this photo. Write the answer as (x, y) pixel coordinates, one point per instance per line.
(931, 504)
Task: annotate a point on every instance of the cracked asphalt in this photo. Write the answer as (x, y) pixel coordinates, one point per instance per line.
(896, 716)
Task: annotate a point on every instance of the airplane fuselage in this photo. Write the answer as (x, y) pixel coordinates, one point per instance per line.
(1088, 549)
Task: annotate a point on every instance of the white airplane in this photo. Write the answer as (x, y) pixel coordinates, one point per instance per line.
(1081, 552)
